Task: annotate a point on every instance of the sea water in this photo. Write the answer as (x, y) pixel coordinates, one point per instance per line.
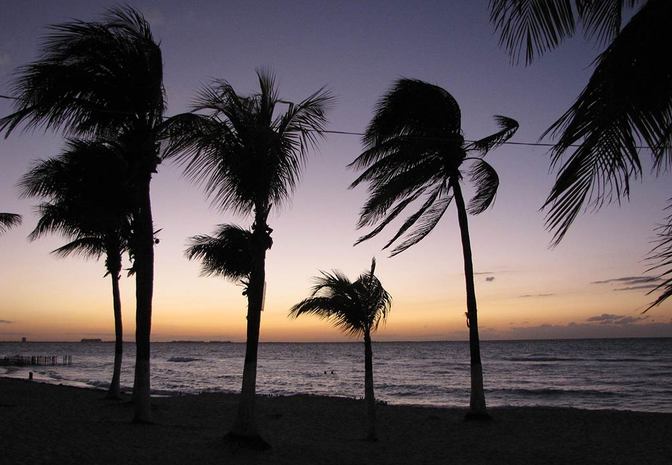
(624, 374)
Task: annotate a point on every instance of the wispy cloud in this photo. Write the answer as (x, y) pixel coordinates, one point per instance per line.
(490, 279)
(613, 319)
(527, 296)
(484, 272)
(635, 288)
(630, 280)
(6, 322)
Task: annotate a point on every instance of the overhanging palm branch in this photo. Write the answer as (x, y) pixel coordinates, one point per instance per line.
(227, 253)
(9, 220)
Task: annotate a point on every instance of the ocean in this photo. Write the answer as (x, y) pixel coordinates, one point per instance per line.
(621, 374)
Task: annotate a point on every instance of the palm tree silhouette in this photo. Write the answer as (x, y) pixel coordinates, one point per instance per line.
(88, 201)
(415, 148)
(105, 80)
(9, 220)
(626, 103)
(357, 308)
(249, 158)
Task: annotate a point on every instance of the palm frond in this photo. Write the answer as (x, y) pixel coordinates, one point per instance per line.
(411, 220)
(627, 100)
(227, 253)
(532, 26)
(661, 258)
(9, 220)
(602, 20)
(486, 180)
(84, 246)
(425, 223)
(508, 126)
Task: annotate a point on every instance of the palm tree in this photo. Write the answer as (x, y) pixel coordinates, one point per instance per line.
(105, 80)
(357, 308)
(9, 220)
(249, 158)
(88, 202)
(626, 103)
(415, 148)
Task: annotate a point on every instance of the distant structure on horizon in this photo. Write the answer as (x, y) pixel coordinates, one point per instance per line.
(24, 339)
(91, 340)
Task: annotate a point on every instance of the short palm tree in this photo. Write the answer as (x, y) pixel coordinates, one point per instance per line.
(626, 103)
(357, 308)
(249, 158)
(415, 150)
(88, 202)
(105, 80)
(9, 220)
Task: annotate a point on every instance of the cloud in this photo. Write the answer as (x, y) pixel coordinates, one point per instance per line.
(634, 288)
(490, 279)
(526, 296)
(630, 280)
(613, 319)
(483, 272)
(6, 322)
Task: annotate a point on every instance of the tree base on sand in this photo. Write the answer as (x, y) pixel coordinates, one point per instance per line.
(477, 416)
(254, 442)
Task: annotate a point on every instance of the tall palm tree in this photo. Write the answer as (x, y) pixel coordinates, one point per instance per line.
(415, 148)
(9, 220)
(249, 156)
(626, 103)
(357, 308)
(87, 200)
(105, 80)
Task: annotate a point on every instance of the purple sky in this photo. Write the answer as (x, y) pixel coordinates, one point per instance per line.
(356, 49)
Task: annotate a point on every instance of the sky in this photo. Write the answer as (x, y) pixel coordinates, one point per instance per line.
(588, 286)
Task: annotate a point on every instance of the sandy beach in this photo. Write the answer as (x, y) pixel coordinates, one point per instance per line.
(45, 424)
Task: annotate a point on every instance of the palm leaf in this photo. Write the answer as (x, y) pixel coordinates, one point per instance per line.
(508, 126)
(8, 220)
(485, 178)
(226, 254)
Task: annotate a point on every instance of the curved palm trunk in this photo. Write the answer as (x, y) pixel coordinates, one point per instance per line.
(369, 397)
(477, 401)
(144, 286)
(114, 267)
(245, 424)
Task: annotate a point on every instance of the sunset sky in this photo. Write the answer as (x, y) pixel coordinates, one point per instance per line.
(357, 49)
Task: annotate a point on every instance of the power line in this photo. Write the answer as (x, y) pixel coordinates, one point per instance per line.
(360, 134)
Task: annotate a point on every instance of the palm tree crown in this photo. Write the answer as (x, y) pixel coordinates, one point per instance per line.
(354, 307)
(247, 156)
(415, 150)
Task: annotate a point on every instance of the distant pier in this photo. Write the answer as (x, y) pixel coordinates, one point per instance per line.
(36, 360)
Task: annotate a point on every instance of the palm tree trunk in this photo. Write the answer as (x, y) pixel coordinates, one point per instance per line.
(144, 286)
(114, 392)
(369, 397)
(245, 425)
(477, 401)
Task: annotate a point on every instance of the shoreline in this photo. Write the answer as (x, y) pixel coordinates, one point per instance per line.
(45, 423)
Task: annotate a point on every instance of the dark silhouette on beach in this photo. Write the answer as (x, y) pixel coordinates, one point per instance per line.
(87, 200)
(248, 155)
(414, 149)
(105, 80)
(356, 308)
